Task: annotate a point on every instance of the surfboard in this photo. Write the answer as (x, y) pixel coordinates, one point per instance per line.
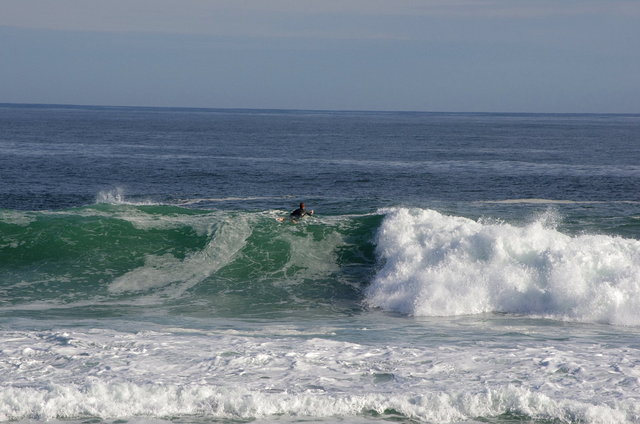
(288, 219)
(294, 220)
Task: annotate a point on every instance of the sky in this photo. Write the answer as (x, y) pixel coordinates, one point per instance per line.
(548, 56)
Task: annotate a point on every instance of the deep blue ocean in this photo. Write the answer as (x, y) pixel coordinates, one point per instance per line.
(459, 268)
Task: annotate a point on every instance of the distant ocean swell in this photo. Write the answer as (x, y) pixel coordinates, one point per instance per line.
(412, 261)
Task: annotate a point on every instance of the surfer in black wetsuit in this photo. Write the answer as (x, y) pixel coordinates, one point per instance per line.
(300, 212)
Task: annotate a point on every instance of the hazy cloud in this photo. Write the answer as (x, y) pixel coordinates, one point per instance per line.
(452, 55)
(279, 18)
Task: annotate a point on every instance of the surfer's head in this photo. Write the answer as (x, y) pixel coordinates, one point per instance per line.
(301, 205)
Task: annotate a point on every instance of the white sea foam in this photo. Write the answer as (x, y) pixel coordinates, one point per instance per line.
(115, 196)
(438, 265)
(316, 257)
(161, 270)
(560, 201)
(109, 374)
(17, 217)
(129, 400)
(202, 224)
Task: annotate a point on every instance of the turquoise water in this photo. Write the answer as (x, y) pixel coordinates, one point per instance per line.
(460, 268)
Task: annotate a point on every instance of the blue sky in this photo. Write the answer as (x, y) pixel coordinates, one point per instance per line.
(428, 55)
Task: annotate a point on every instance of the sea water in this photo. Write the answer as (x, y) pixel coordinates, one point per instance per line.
(460, 268)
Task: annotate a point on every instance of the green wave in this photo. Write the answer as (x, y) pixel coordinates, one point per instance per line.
(103, 258)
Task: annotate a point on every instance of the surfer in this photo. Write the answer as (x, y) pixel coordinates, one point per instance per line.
(300, 212)
(296, 215)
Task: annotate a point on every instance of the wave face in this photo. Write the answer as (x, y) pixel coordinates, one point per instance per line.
(114, 256)
(120, 259)
(438, 265)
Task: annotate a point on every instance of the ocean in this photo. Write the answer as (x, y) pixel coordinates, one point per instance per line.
(459, 268)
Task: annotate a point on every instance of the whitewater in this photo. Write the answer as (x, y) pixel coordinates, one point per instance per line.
(459, 268)
(499, 353)
(442, 265)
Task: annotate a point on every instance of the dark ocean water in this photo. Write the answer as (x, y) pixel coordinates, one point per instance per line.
(55, 158)
(459, 267)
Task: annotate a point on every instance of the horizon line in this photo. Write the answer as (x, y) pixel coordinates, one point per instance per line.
(276, 109)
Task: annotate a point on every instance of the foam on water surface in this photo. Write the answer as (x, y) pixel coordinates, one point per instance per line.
(144, 307)
(198, 261)
(159, 271)
(438, 265)
(70, 374)
(116, 196)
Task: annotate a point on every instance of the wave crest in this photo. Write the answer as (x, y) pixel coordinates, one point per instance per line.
(438, 265)
(116, 196)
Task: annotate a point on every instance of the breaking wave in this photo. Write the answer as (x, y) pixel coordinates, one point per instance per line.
(438, 265)
(412, 261)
